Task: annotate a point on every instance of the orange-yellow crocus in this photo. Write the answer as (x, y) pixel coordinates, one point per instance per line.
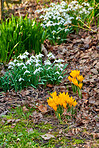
(80, 78)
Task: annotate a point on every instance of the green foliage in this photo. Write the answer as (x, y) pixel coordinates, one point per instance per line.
(32, 71)
(18, 35)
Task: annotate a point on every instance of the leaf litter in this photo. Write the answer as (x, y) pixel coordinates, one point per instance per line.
(80, 52)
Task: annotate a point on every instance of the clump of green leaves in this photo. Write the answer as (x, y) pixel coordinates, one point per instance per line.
(18, 35)
(31, 71)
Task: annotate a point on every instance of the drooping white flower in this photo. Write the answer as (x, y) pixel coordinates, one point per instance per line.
(38, 70)
(50, 56)
(20, 64)
(26, 72)
(59, 61)
(60, 77)
(21, 79)
(11, 64)
(47, 62)
(22, 56)
(26, 53)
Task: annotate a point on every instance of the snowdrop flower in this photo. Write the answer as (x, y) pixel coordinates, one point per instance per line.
(63, 3)
(37, 64)
(59, 61)
(38, 70)
(15, 61)
(24, 67)
(78, 17)
(47, 62)
(26, 53)
(66, 30)
(48, 68)
(39, 56)
(29, 62)
(21, 79)
(32, 57)
(26, 72)
(10, 67)
(50, 56)
(37, 61)
(37, 11)
(57, 72)
(85, 4)
(20, 64)
(90, 8)
(12, 63)
(60, 77)
(22, 56)
(53, 31)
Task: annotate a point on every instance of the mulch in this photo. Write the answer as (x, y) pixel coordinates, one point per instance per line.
(80, 52)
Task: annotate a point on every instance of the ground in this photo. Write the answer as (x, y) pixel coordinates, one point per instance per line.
(28, 109)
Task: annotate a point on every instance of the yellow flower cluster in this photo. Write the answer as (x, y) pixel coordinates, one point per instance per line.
(62, 99)
(76, 78)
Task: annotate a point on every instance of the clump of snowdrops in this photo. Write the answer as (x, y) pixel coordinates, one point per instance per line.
(62, 102)
(27, 71)
(76, 79)
(59, 19)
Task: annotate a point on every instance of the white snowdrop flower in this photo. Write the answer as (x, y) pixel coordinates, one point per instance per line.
(21, 79)
(32, 57)
(24, 67)
(71, 18)
(57, 72)
(50, 56)
(11, 64)
(20, 64)
(90, 8)
(60, 77)
(22, 56)
(38, 70)
(37, 11)
(37, 64)
(15, 61)
(59, 28)
(47, 62)
(53, 31)
(78, 17)
(80, 12)
(66, 30)
(43, 25)
(48, 68)
(59, 66)
(63, 3)
(58, 37)
(10, 67)
(26, 72)
(85, 4)
(58, 61)
(37, 61)
(39, 56)
(26, 53)
(28, 62)
(41, 16)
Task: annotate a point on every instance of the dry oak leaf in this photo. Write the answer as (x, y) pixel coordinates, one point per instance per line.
(42, 108)
(47, 136)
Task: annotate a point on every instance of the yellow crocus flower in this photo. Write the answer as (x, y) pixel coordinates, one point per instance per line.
(70, 79)
(80, 85)
(75, 73)
(80, 78)
(75, 82)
